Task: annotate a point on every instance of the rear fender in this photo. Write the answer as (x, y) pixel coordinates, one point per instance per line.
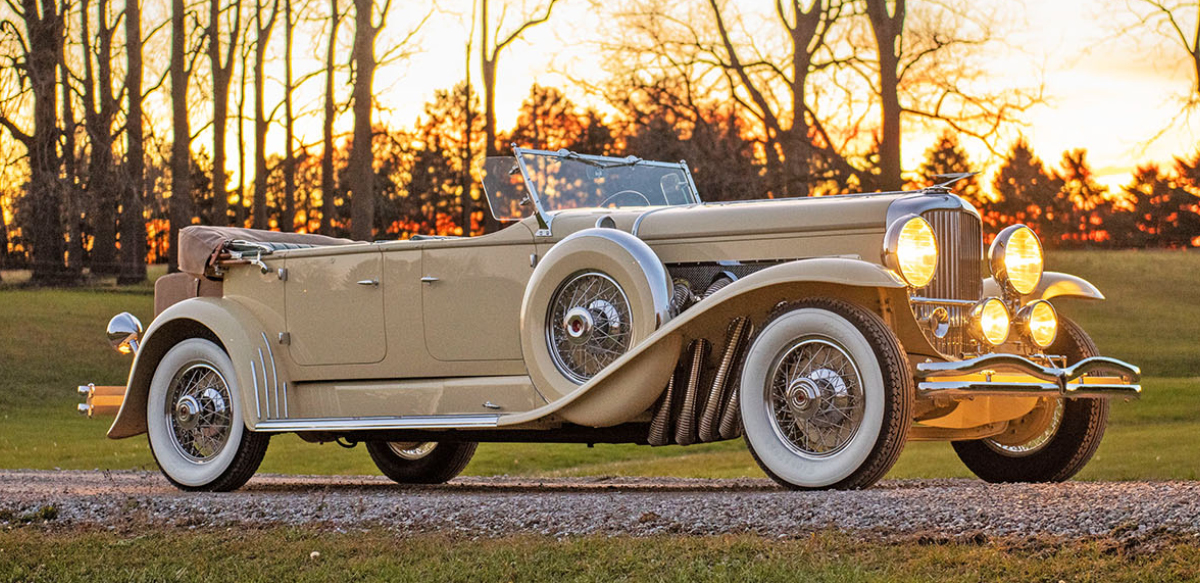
(632, 383)
(263, 381)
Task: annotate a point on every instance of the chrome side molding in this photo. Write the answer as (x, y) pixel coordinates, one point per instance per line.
(366, 423)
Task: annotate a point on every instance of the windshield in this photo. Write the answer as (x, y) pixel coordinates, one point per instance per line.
(566, 180)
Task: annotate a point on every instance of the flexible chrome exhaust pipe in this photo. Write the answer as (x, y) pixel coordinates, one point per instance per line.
(711, 419)
(660, 426)
(731, 417)
(685, 430)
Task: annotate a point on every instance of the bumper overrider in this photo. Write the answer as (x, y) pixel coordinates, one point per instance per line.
(1013, 375)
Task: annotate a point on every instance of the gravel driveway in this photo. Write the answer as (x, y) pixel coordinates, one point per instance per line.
(634, 506)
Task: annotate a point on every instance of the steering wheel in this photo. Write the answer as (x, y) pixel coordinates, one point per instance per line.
(626, 191)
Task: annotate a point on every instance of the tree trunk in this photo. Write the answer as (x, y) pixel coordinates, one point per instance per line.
(288, 209)
(260, 116)
(328, 182)
(180, 202)
(887, 28)
(362, 175)
(240, 214)
(101, 107)
(465, 202)
(70, 183)
(222, 74)
(133, 225)
(46, 44)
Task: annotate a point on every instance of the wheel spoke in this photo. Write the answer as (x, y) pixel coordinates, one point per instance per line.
(815, 395)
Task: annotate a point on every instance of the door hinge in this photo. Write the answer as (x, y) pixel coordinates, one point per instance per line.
(282, 274)
(285, 338)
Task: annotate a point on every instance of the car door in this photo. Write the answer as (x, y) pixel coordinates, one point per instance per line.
(471, 294)
(333, 301)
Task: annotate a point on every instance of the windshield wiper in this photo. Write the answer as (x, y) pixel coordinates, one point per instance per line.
(628, 161)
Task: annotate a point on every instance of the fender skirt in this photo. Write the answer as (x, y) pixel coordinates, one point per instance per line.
(632, 383)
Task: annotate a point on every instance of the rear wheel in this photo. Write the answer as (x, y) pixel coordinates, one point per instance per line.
(825, 396)
(427, 462)
(194, 420)
(1055, 440)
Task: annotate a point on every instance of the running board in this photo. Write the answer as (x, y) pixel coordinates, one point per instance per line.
(370, 423)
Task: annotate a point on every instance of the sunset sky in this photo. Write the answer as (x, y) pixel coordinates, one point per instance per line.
(1106, 92)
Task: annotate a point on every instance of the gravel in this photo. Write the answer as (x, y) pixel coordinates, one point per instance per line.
(938, 509)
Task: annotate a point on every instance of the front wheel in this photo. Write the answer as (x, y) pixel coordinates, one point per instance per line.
(1055, 440)
(194, 420)
(826, 395)
(427, 462)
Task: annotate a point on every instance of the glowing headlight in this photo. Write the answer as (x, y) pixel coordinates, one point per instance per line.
(1016, 259)
(1039, 323)
(910, 249)
(989, 321)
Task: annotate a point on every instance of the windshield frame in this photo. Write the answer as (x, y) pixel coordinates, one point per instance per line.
(545, 217)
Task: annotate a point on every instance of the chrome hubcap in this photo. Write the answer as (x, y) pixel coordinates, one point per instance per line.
(199, 412)
(815, 397)
(412, 451)
(588, 325)
(1016, 441)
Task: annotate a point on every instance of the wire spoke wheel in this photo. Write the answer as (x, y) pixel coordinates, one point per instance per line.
(588, 325)
(198, 411)
(815, 397)
(1020, 447)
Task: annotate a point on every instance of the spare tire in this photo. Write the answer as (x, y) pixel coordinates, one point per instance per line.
(594, 296)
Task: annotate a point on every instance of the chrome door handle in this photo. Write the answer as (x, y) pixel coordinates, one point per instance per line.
(428, 279)
(370, 282)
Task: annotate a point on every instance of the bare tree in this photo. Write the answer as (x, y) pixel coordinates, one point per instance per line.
(37, 41)
(221, 64)
(180, 204)
(100, 111)
(489, 55)
(328, 180)
(287, 221)
(133, 227)
(923, 71)
(1176, 28)
(263, 25)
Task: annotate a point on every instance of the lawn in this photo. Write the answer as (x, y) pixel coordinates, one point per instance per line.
(52, 340)
(279, 554)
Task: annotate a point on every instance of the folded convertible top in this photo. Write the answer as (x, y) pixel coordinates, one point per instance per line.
(200, 245)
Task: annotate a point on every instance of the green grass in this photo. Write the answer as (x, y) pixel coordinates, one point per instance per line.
(34, 554)
(52, 340)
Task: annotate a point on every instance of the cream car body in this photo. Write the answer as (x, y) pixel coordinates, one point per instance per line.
(453, 339)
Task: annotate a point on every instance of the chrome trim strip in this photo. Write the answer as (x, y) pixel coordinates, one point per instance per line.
(274, 372)
(254, 376)
(941, 302)
(365, 423)
(285, 410)
(266, 394)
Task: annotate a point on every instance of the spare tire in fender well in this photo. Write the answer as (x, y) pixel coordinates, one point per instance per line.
(627, 260)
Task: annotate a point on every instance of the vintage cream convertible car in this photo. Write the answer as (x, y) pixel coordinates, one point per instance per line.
(620, 308)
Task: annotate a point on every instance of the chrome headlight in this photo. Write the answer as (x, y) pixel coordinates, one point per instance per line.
(910, 249)
(990, 321)
(1016, 259)
(1038, 322)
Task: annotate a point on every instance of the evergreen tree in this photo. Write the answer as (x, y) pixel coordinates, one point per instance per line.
(1088, 206)
(946, 156)
(1031, 195)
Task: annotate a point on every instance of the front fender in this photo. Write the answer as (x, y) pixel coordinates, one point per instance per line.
(237, 330)
(1053, 285)
(632, 383)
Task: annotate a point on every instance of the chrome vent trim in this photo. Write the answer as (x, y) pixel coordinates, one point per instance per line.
(958, 276)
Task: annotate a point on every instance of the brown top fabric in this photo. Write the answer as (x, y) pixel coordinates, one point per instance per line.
(199, 245)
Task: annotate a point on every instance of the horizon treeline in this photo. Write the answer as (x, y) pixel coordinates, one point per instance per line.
(117, 127)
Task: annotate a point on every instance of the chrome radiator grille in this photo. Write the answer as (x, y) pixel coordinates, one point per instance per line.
(958, 276)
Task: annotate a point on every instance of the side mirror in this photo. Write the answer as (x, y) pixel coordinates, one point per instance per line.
(124, 333)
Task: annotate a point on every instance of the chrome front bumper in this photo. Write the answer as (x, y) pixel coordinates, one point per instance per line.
(1012, 375)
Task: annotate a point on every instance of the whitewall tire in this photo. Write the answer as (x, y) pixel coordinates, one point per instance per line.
(194, 420)
(826, 396)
